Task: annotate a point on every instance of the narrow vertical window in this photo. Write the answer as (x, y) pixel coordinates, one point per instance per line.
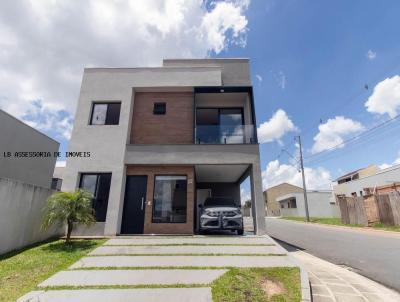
(99, 186)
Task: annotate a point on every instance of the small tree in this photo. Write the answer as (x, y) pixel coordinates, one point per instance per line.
(69, 207)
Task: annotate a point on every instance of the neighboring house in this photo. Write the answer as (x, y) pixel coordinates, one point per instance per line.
(321, 203)
(158, 141)
(271, 194)
(361, 180)
(58, 175)
(34, 168)
(26, 167)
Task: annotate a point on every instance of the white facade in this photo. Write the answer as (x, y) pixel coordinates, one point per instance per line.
(109, 145)
(381, 178)
(320, 204)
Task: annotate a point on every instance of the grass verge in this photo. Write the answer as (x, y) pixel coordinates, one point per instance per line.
(258, 285)
(337, 221)
(22, 270)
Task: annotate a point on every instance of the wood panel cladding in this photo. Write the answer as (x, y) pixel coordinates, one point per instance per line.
(173, 127)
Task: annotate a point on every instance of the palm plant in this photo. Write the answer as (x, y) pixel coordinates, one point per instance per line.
(69, 207)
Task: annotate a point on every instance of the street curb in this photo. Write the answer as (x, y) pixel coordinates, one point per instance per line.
(304, 279)
(349, 228)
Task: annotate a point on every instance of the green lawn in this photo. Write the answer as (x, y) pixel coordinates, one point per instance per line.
(337, 221)
(22, 270)
(280, 284)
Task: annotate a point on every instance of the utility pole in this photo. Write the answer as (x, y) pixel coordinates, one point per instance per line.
(304, 180)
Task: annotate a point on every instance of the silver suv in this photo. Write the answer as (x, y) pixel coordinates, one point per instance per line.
(219, 213)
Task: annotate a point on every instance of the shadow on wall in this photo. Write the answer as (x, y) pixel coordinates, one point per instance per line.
(21, 215)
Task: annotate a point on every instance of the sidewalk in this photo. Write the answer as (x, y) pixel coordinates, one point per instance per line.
(330, 283)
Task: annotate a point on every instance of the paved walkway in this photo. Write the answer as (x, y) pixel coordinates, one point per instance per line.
(155, 261)
(330, 283)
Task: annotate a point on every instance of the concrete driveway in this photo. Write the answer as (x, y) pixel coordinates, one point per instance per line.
(139, 268)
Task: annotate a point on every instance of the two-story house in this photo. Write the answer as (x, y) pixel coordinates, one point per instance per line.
(161, 140)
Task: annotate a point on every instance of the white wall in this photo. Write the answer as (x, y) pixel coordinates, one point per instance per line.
(382, 178)
(21, 213)
(16, 136)
(319, 205)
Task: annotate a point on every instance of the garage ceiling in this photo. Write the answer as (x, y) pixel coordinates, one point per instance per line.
(219, 173)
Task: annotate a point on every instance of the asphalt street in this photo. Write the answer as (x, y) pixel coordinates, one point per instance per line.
(375, 255)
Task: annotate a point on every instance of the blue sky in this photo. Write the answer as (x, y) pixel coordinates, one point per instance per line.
(310, 64)
(321, 48)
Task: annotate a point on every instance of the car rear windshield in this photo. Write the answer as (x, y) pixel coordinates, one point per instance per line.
(219, 202)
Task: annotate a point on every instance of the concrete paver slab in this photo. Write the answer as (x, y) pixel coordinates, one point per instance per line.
(122, 295)
(191, 240)
(187, 249)
(183, 261)
(131, 277)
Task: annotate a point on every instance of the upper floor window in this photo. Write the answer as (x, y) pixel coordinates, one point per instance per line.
(105, 114)
(159, 108)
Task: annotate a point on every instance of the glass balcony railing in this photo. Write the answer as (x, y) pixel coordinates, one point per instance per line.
(225, 134)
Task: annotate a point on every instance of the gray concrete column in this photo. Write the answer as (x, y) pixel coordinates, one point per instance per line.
(257, 207)
(115, 203)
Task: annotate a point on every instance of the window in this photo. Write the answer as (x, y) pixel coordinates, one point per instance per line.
(292, 203)
(56, 184)
(99, 186)
(159, 108)
(169, 204)
(219, 125)
(105, 114)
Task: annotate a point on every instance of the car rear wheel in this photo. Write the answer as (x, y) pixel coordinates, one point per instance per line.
(240, 232)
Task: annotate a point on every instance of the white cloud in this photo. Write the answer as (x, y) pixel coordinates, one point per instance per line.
(275, 128)
(280, 78)
(45, 45)
(245, 195)
(371, 55)
(386, 97)
(277, 173)
(395, 162)
(259, 78)
(333, 132)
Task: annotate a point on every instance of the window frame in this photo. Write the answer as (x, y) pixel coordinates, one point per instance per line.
(81, 176)
(154, 203)
(94, 103)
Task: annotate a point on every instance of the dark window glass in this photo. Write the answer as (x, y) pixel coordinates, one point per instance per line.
(160, 108)
(231, 117)
(113, 111)
(170, 199)
(99, 186)
(105, 114)
(206, 116)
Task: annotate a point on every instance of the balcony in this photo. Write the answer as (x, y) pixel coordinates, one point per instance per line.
(225, 134)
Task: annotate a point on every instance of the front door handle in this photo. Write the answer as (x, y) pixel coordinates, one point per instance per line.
(142, 203)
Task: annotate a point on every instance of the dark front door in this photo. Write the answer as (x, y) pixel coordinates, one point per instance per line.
(134, 205)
